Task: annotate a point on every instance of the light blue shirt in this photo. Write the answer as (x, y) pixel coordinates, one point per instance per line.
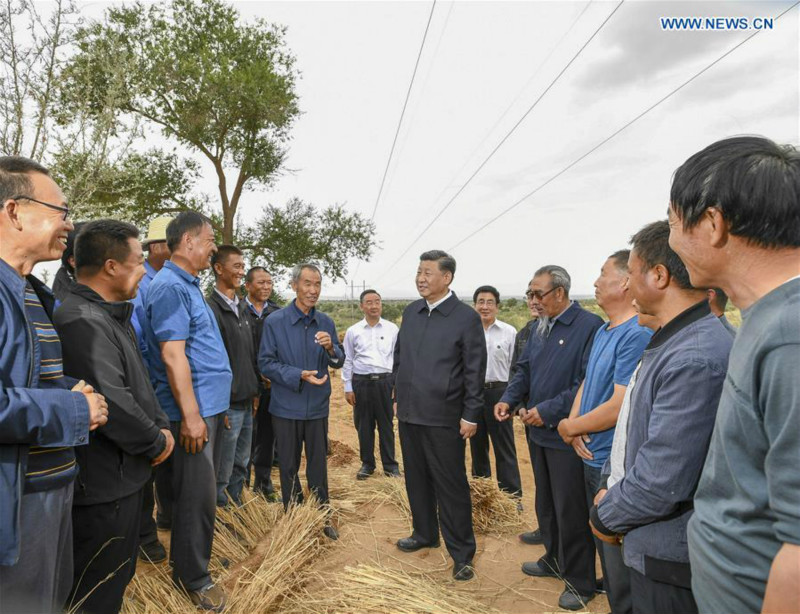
(176, 310)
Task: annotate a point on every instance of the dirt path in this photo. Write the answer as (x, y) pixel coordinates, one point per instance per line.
(499, 582)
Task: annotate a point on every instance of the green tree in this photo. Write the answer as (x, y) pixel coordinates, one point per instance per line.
(194, 70)
(220, 88)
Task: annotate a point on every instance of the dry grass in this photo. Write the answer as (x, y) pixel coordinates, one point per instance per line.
(493, 511)
(296, 540)
(378, 590)
(240, 533)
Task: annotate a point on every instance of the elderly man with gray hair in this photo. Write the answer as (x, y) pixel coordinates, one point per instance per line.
(298, 345)
(550, 371)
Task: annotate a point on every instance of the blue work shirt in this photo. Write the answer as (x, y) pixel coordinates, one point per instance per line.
(138, 316)
(288, 347)
(614, 356)
(176, 310)
(551, 370)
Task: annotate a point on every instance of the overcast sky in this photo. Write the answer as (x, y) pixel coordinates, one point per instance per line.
(483, 65)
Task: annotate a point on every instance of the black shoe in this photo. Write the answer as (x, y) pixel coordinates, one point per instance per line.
(521, 509)
(365, 472)
(153, 552)
(539, 569)
(330, 532)
(463, 571)
(570, 600)
(600, 588)
(532, 538)
(391, 473)
(411, 544)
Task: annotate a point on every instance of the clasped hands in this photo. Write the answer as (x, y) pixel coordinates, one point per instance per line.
(530, 416)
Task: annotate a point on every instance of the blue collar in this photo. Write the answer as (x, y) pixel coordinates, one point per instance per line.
(298, 315)
(10, 277)
(149, 271)
(187, 277)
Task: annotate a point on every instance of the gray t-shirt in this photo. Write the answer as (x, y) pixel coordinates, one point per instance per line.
(748, 501)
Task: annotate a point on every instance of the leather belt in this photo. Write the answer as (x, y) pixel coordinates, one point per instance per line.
(491, 385)
(372, 377)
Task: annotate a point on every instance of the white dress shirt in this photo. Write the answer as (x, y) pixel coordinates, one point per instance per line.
(232, 303)
(368, 349)
(432, 306)
(500, 339)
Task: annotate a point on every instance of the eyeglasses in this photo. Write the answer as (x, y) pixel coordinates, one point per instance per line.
(538, 295)
(64, 210)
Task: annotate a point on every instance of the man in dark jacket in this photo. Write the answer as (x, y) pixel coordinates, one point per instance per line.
(664, 429)
(551, 370)
(41, 419)
(298, 346)
(257, 306)
(94, 325)
(439, 368)
(228, 266)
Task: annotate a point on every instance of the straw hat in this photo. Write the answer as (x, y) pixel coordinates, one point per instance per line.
(157, 230)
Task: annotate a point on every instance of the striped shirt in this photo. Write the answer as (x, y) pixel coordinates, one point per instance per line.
(48, 468)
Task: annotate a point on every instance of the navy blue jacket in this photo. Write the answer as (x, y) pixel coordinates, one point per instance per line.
(551, 370)
(28, 415)
(287, 349)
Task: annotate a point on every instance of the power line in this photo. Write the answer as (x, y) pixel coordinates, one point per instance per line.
(504, 139)
(509, 107)
(613, 135)
(403, 112)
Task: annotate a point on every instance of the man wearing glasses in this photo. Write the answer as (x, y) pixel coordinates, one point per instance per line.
(552, 368)
(43, 414)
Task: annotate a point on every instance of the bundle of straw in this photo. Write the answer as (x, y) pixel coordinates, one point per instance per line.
(296, 541)
(379, 590)
(155, 594)
(494, 512)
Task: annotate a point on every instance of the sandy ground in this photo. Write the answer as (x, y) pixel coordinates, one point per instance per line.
(499, 582)
(368, 536)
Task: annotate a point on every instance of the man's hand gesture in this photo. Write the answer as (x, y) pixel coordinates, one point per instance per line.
(311, 377)
(98, 408)
(467, 430)
(501, 412)
(170, 444)
(194, 434)
(350, 397)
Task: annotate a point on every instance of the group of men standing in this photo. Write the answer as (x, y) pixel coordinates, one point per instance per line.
(656, 441)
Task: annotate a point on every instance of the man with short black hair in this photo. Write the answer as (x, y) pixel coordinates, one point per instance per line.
(228, 266)
(298, 347)
(735, 220)
(551, 370)
(368, 383)
(500, 339)
(41, 419)
(439, 368)
(192, 375)
(115, 468)
(664, 427)
(65, 276)
(258, 305)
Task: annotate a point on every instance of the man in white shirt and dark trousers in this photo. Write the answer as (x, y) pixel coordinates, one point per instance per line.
(368, 383)
(500, 340)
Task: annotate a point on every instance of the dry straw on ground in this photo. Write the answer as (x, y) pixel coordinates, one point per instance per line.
(379, 590)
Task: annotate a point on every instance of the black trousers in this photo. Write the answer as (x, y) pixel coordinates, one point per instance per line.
(105, 541)
(194, 489)
(373, 409)
(653, 597)
(505, 451)
(436, 483)
(148, 532)
(564, 517)
(263, 451)
(290, 437)
(164, 495)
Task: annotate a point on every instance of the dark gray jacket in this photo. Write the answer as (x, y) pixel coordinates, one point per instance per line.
(440, 364)
(673, 407)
